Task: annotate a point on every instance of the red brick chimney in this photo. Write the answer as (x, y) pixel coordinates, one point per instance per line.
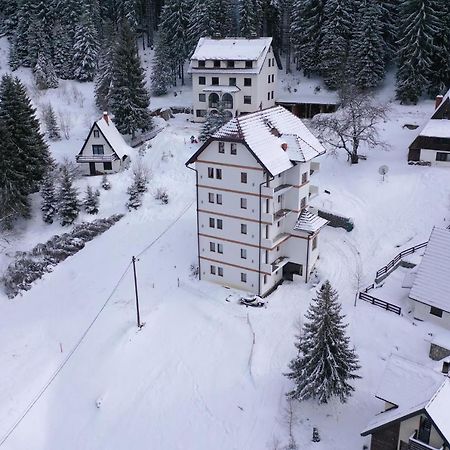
(106, 117)
(438, 101)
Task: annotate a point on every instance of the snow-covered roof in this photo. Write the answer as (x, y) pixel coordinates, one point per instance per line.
(432, 281)
(436, 128)
(323, 98)
(112, 135)
(309, 222)
(444, 100)
(219, 88)
(412, 388)
(237, 49)
(266, 132)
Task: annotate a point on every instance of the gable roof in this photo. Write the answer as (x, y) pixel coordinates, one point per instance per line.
(444, 104)
(111, 135)
(432, 282)
(412, 389)
(264, 133)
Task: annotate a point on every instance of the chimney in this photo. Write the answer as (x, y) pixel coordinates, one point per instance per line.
(106, 117)
(445, 367)
(438, 101)
(284, 146)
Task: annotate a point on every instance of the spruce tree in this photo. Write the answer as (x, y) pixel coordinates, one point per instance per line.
(306, 33)
(129, 97)
(213, 122)
(325, 361)
(85, 47)
(68, 204)
(389, 23)
(161, 76)
(248, 25)
(19, 117)
(91, 200)
(103, 80)
(419, 25)
(19, 55)
(49, 201)
(44, 73)
(53, 131)
(367, 48)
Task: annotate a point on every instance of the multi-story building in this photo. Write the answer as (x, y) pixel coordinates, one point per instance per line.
(241, 73)
(253, 189)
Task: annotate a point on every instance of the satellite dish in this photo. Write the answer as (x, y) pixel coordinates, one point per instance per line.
(383, 170)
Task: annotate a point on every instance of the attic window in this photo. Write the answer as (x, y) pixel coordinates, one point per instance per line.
(216, 63)
(230, 64)
(248, 64)
(201, 64)
(96, 133)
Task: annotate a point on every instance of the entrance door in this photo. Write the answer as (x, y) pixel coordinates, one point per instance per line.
(92, 168)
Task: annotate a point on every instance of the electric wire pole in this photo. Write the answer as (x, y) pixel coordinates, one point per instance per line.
(133, 260)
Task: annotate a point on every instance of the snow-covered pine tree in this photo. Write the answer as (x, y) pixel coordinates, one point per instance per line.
(49, 201)
(134, 197)
(44, 73)
(306, 33)
(419, 25)
(325, 361)
(40, 32)
(14, 201)
(51, 125)
(248, 24)
(214, 121)
(129, 97)
(103, 79)
(85, 48)
(68, 204)
(106, 185)
(19, 55)
(336, 34)
(389, 23)
(162, 72)
(91, 200)
(19, 117)
(8, 17)
(366, 58)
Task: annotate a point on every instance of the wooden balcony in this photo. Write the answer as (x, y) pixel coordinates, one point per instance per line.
(415, 444)
(95, 158)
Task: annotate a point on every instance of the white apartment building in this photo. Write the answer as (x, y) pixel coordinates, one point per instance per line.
(240, 72)
(253, 189)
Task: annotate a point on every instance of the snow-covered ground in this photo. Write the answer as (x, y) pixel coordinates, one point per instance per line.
(192, 378)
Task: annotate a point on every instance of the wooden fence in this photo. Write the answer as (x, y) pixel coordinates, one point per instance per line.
(393, 264)
(380, 303)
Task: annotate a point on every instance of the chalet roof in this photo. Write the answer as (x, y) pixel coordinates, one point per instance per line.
(265, 133)
(444, 104)
(436, 128)
(412, 389)
(432, 281)
(112, 135)
(237, 49)
(309, 222)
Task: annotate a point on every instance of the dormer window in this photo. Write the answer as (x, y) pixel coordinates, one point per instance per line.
(248, 64)
(230, 64)
(201, 64)
(216, 63)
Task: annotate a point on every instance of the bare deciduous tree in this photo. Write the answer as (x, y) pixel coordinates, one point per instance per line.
(354, 123)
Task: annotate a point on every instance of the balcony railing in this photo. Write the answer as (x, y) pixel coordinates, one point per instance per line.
(279, 263)
(281, 213)
(95, 158)
(415, 444)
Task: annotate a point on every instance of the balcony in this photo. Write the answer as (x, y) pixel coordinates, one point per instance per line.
(313, 191)
(281, 214)
(282, 189)
(279, 263)
(96, 158)
(415, 444)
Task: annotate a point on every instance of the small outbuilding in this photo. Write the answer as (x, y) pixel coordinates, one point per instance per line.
(104, 150)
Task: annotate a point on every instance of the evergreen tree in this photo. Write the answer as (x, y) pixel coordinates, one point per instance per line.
(53, 131)
(129, 97)
(40, 32)
(248, 24)
(214, 121)
(134, 197)
(49, 200)
(85, 47)
(336, 30)
(8, 16)
(306, 33)
(161, 76)
(14, 201)
(68, 204)
(367, 48)
(389, 24)
(63, 51)
(419, 26)
(19, 55)
(19, 117)
(325, 362)
(103, 81)
(91, 200)
(44, 73)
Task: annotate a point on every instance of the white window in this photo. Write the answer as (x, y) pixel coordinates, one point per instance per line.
(220, 271)
(268, 96)
(243, 253)
(268, 78)
(304, 177)
(233, 150)
(243, 277)
(201, 112)
(219, 224)
(243, 203)
(248, 99)
(265, 279)
(221, 147)
(243, 177)
(212, 223)
(243, 228)
(210, 172)
(213, 270)
(219, 199)
(96, 133)
(211, 197)
(219, 174)
(202, 97)
(219, 248)
(212, 247)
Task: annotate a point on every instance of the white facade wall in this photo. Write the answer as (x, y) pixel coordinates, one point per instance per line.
(422, 312)
(430, 156)
(108, 152)
(261, 91)
(267, 238)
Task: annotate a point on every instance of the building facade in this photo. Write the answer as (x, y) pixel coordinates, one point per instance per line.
(241, 73)
(255, 226)
(104, 150)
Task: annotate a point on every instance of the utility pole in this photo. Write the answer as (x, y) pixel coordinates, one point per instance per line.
(133, 260)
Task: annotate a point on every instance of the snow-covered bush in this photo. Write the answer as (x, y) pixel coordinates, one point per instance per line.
(141, 177)
(49, 203)
(106, 185)
(161, 194)
(32, 265)
(194, 270)
(51, 125)
(68, 203)
(91, 200)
